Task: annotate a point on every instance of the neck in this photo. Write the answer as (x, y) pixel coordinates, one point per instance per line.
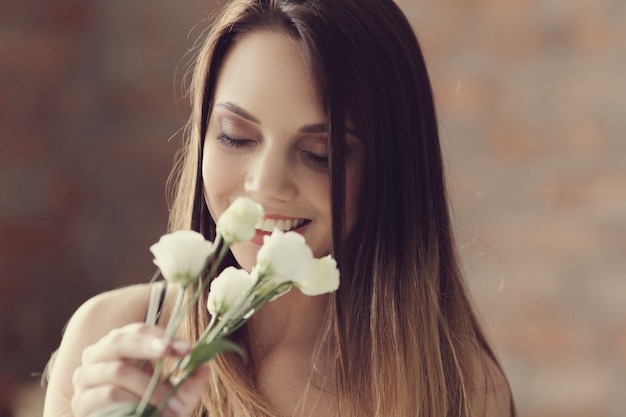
(288, 370)
(293, 321)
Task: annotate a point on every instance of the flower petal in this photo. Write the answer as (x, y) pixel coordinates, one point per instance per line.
(323, 277)
(227, 289)
(182, 255)
(237, 222)
(284, 257)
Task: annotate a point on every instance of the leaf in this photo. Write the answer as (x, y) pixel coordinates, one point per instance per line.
(205, 352)
(126, 409)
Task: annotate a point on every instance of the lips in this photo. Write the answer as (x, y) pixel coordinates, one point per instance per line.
(267, 225)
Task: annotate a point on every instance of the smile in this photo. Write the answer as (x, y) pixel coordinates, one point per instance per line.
(268, 225)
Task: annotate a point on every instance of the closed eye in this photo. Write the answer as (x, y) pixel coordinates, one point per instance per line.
(230, 142)
(318, 161)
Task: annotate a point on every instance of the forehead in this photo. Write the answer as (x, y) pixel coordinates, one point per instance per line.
(267, 74)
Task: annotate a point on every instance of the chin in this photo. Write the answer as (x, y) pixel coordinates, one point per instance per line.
(245, 254)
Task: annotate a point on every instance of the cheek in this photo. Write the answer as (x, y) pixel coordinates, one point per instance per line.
(215, 182)
(210, 176)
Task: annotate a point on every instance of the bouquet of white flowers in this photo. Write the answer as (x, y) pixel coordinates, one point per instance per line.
(284, 261)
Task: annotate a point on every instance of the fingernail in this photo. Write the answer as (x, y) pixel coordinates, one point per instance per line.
(180, 346)
(177, 406)
(158, 346)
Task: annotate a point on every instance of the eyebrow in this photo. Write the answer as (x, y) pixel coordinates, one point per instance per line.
(237, 110)
(312, 128)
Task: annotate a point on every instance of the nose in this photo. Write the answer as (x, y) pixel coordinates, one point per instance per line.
(270, 177)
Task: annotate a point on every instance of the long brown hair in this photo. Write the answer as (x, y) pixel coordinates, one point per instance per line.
(402, 325)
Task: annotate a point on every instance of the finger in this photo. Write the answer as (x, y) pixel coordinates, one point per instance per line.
(101, 397)
(137, 341)
(129, 376)
(189, 394)
(104, 383)
(85, 402)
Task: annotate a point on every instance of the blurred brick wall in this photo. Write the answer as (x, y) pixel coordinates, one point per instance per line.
(531, 96)
(532, 99)
(88, 101)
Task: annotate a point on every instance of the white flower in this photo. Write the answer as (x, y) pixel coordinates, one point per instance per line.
(323, 277)
(237, 223)
(182, 255)
(269, 285)
(227, 289)
(284, 257)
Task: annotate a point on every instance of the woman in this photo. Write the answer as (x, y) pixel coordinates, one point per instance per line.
(322, 112)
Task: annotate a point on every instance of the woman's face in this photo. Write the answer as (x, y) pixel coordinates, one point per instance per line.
(266, 140)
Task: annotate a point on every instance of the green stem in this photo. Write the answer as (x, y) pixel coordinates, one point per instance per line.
(181, 360)
(174, 323)
(201, 289)
(175, 319)
(169, 334)
(169, 395)
(213, 331)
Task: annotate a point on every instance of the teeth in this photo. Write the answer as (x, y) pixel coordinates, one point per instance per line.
(268, 225)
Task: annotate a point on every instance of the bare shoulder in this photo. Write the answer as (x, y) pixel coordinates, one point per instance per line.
(112, 309)
(91, 321)
(105, 312)
(99, 315)
(491, 396)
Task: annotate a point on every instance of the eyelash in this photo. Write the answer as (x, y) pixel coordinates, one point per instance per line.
(230, 142)
(316, 160)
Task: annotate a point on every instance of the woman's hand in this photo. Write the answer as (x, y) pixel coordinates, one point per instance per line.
(115, 369)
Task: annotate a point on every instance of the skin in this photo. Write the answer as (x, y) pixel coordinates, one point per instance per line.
(266, 140)
(275, 110)
(98, 361)
(280, 161)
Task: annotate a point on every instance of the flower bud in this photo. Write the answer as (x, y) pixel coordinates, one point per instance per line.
(227, 289)
(237, 222)
(284, 257)
(182, 255)
(323, 277)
